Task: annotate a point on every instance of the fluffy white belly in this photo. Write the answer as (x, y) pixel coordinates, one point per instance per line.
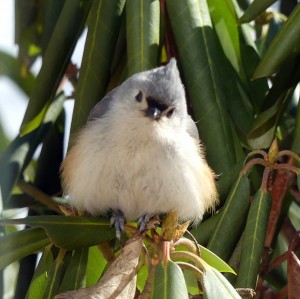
(140, 178)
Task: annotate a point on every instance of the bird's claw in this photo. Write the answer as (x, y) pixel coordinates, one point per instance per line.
(143, 223)
(117, 219)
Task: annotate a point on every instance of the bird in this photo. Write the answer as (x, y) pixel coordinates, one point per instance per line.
(139, 154)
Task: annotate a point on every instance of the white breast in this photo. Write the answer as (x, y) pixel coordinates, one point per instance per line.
(137, 172)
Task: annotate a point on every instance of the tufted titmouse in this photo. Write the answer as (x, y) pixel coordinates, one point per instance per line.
(139, 154)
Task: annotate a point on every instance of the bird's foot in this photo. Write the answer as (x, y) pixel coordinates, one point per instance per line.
(143, 223)
(117, 219)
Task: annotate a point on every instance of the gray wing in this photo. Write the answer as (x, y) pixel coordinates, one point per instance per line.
(191, 128)
(102, 107)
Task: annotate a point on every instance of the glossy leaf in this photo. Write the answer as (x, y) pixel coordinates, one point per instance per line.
(216, 286)
(103, 29)
(20, 244)
(254, 239)
(214, 261)
(142, 25)
(224, 19)
(55, 61)
(285, 45)
(77, 232)
(230, 225)
(169, 282)
(199, 53)
(255, 9)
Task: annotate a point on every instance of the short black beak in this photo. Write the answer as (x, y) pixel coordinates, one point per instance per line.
(153, 112)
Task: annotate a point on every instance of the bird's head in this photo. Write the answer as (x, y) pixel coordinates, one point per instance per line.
(155, 95)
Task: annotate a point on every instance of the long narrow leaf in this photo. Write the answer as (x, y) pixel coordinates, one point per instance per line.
(230, 225)
(256, 8)
(285, 45)
(55, 61)
(103, 29)
(254, 239)
(40, 277)
(77, 232)
(20, 244)
(142, 24)
(199, 53)
(16, 158)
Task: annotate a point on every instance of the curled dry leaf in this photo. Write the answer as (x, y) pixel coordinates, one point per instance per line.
(119, 281)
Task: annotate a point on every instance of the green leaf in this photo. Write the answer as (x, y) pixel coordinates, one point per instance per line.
(216, 286)
(142, 24)
(255, 9)
(224, 19)
(169, 282)
(9, 66)
(18, 155)
(230, 225)
(213, 260)
(20, 244)
(40, 277)
(103, 28)
(75, 274)
(263, 129)
(200, 53)
(191, 282)
(55, 61)
(93, 273)
(254, 239)
(77, 232)
(142, 277)
(285, 45)
(55, 276)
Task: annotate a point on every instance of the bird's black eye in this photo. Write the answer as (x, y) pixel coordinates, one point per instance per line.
(139, 97)
(170, 113)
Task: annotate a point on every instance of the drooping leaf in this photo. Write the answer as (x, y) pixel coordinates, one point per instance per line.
(142, 24)
(169, 282)
(77, 232)
(254, 239)
(214, 261)
(20, 244)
